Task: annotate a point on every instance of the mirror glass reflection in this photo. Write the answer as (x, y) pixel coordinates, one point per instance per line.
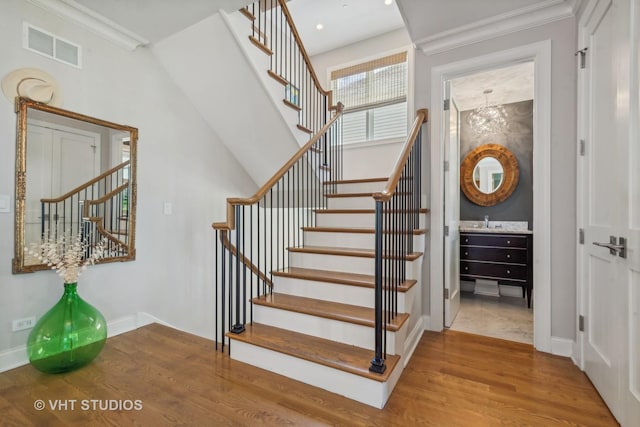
(488, 175)
(79, 179)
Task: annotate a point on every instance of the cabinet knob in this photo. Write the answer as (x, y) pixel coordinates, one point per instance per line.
(508, 242)
(508, 271)
(466, 268)
(466, 240)
(466, 253)
(508, 255)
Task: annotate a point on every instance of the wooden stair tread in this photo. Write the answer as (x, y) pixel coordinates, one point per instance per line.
(336, 195)
(347, 358)
(357, 230)
(327, 309)
(291, 105)
(278, 78)
(362, 280)
(356, 181)
(356, 252)
(261, 45)
(355, 211)
(304, 129)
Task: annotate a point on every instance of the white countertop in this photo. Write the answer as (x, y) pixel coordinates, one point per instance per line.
(511, 227)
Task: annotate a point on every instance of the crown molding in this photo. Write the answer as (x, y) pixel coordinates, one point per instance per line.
(517, 20)
(93, 21)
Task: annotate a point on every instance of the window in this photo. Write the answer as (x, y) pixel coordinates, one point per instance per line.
(374, 95)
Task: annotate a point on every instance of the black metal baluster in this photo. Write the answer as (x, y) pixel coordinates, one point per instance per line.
(238, 327)
(377, 363)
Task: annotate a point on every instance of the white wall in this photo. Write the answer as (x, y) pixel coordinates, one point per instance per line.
(563, 153)
(180, 160)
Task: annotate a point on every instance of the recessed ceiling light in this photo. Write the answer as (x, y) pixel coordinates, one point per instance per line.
(319, 27)
(388, 2)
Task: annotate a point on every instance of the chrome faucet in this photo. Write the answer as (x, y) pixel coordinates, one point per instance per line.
(486, 221)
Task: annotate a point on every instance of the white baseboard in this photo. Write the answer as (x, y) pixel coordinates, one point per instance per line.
(413, 339)
(17, 356)
(429, 327)
(562, 346)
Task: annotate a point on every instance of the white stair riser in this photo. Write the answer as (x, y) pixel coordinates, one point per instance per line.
(352, 240)
(334, 330)
(351, 202)
(345, 264)
(364, 390)
(353, 220)
(336, 292)
(360, 187)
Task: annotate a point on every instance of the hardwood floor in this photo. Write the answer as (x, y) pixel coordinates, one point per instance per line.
(453, 379)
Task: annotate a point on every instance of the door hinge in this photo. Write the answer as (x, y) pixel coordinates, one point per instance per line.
(581, 323)
(446, 230)
(446, 104)
(581, 236)
(446, 165)
(583, 57)
(446, 293)
(582, 148)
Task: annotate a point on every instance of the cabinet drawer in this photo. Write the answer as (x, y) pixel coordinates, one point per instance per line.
(508, 241)
(493, 270)
(493, 254)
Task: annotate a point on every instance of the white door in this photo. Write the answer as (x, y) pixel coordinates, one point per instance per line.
(451, 210)
(610, 204)
(57, 162)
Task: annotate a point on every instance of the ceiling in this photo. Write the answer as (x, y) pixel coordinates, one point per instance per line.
(155, 20)
(346, 22)
(509, 84)
(426, 18)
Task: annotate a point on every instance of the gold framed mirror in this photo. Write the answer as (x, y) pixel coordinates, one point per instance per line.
(75, 175)
(489, 174)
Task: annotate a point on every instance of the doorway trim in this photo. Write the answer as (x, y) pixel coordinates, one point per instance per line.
(540, 54)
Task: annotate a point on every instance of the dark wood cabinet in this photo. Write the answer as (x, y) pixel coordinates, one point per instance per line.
(504, 257)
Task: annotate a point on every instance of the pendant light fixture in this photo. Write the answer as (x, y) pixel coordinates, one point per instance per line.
(488, 119)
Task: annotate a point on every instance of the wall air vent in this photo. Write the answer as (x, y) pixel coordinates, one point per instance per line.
(47, 44)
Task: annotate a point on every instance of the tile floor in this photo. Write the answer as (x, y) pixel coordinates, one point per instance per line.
(504, 317)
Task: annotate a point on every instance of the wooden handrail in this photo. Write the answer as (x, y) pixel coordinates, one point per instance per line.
(233, 201)
(86, 184)
(421, 117)
(305, 56)
(98, 219)
(231, 248)
(104, 198)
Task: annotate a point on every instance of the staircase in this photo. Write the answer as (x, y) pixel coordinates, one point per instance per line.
(317, 325)
(317, 278)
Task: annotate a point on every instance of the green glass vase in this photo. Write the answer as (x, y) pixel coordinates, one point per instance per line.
(68, 336)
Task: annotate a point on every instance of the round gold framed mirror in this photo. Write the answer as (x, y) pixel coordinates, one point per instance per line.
(489, 174)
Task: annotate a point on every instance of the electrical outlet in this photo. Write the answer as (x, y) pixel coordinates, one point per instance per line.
(22, 324)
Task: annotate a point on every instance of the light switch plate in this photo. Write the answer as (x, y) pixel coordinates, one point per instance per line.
(5, 203)
(168, 208)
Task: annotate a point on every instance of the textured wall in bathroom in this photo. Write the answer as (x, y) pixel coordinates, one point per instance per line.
(519, 139)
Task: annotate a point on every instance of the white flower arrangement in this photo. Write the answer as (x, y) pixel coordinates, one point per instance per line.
(67, 254)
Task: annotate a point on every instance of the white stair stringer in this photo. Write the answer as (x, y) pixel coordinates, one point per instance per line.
(331, 329)
(215, 73)
(364, 390)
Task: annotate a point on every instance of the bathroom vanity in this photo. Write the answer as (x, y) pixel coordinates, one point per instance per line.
(501, 254)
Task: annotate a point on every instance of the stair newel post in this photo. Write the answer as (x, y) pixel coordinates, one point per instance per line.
(377, 363)
(238, 327)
